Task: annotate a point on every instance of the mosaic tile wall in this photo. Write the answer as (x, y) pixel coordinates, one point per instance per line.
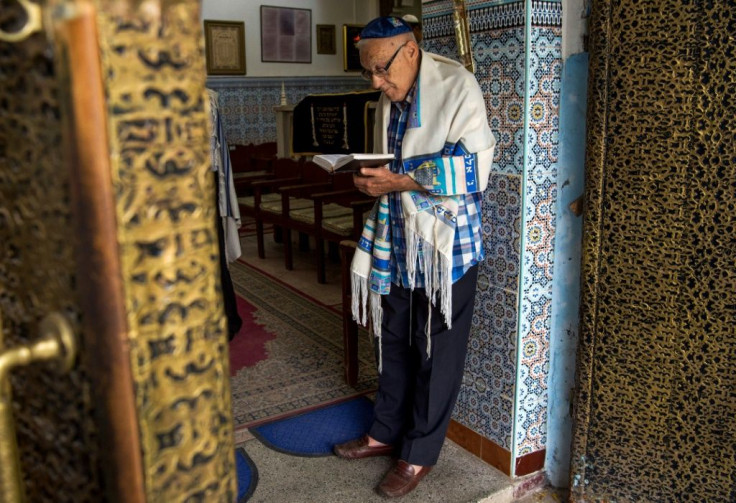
(545, 66)
(504, 395)
(246, 104)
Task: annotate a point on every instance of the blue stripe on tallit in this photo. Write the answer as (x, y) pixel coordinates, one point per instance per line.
(380, 285)
(457, 149)
(381, 264)
(454, 178)
(471, 174)
(365, 244)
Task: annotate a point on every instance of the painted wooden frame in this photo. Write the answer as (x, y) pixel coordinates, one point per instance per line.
(350, 55)
(326, 39)
(224, 47)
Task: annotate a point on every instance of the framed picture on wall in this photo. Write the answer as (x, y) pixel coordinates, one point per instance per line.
(224, 43)
(286, 35)
(350, 56)
(326, 39)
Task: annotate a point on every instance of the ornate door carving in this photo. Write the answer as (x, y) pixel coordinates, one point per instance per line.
(107, 216)
(656, 410)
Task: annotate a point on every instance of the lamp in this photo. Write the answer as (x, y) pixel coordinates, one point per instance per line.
(462, 35)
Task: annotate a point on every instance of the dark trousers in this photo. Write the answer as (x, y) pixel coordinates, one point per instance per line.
(234, 322)
(416, 394)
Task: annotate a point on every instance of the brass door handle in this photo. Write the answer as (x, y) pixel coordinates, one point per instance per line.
(33, 23)
(57, 343)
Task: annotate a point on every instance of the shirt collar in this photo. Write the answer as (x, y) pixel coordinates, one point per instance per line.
(410, 97)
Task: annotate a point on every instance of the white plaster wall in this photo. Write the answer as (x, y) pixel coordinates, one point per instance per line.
(574, 26)
(337, 12)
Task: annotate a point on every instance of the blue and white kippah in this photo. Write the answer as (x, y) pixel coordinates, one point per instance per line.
(384, 27)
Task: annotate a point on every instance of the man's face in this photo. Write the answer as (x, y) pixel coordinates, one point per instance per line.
(392, 65)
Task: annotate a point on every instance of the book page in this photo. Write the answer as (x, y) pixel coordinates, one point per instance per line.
(328, 161)
(351, 162)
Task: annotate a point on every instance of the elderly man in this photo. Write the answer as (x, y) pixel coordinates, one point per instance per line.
(416, 26)
(415, 268)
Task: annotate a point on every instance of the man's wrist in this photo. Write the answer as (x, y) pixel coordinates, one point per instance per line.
(408, 183)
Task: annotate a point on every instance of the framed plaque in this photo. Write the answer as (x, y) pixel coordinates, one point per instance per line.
(224, 43)
(326, 39)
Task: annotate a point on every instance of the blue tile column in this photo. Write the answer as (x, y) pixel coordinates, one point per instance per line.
(517, 52)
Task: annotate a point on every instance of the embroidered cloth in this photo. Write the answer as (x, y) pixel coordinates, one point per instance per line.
(447, 148)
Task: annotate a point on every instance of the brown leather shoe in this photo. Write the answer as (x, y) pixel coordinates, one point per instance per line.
(359, 449)
(401, 479)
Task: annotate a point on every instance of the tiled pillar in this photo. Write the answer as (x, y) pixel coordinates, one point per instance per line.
(501, 413)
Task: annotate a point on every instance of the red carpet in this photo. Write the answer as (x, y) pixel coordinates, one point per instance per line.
(249, 345)
(288, 357)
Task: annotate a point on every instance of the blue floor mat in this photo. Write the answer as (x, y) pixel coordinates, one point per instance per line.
(247, 474)
(314, 433)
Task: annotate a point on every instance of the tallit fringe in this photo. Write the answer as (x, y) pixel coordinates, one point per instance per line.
(360, 306)
(437, 270)
(412, 250)
(358, 297)
(376, 322)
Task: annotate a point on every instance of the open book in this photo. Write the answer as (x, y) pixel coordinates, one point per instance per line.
(350, 162)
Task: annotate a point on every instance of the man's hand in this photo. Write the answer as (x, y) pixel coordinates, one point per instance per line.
(379, 181)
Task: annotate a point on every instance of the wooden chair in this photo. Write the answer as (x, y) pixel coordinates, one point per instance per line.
(241, 158)
(251, 163)
(264, 156)
(349, 326)
(334, 226)
(337, 214)
(295, 200)
(293, 197)
(310, 201)
(285, 172)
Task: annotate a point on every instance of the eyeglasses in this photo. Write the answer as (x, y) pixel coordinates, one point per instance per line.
(379, 72)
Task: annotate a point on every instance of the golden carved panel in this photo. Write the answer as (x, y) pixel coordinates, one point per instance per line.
(656, 409)
(152, 57)
(56, 435)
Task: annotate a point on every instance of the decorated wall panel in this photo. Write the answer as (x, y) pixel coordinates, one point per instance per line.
(56, 435)
(655, 407)
(246, 105)
(540, 206)
(486, 401)
(518, 60)
(152, 56)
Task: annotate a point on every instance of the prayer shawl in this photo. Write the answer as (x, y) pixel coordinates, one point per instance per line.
(448, 149)
(220, 153)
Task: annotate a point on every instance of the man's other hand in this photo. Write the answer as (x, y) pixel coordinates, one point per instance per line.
(379, 181)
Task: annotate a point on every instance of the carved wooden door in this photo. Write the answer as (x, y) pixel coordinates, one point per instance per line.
(655, 407)
(107, 221)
